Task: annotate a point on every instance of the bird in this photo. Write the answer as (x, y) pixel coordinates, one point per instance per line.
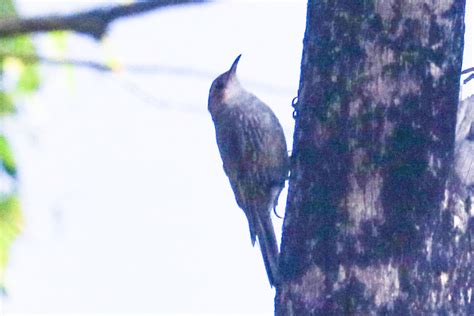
(253, 149)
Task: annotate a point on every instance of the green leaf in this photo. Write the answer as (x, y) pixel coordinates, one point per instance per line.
(18, 45)
(11, 219)
(6, 157)
(11, 222)
(6, 104)
(29, 79)
(59, 41)
(7, 8)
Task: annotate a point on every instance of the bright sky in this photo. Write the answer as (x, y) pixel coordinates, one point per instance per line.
(127, 207)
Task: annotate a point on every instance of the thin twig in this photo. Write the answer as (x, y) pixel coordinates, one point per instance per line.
(143, 69)
(468, 79)
(134, 68)
(466, 71)
(30, 59)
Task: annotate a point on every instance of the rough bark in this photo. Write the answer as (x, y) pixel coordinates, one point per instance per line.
(377, 221)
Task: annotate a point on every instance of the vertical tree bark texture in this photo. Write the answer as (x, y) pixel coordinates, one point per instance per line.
(377, 221)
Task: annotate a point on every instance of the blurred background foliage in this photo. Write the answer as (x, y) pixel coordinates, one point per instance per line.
(18, 79)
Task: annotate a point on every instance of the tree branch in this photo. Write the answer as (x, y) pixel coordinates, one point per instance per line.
(92, 23)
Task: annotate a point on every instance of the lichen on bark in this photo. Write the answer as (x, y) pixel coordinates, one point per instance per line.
(373, 220)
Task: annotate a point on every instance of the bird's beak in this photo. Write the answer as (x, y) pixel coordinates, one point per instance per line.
(233, 68)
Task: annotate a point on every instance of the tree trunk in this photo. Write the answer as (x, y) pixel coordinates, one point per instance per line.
(377, 220)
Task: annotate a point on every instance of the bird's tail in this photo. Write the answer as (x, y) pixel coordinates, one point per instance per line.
(268, 246)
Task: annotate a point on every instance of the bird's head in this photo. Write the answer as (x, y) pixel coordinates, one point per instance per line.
(224, 87)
